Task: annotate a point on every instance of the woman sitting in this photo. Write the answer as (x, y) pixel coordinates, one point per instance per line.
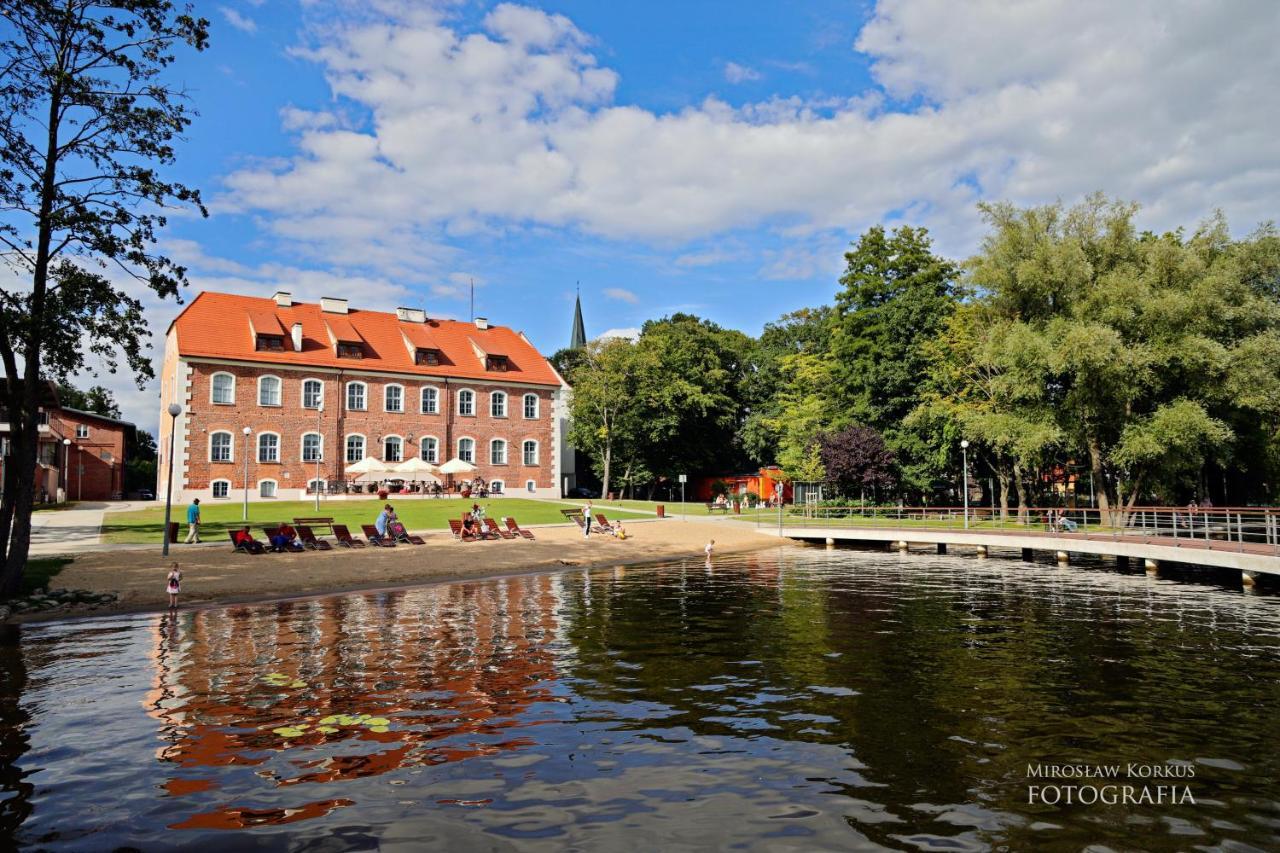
(470, 526)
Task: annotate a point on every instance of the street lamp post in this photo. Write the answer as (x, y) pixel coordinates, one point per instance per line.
(964, 452)
(174, 411)
(79, 472)
(247, 433)
(66, 468)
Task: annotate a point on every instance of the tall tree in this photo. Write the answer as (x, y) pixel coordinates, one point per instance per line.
(606, 409)
(856, 460)
(97, 399)
(807, 331)
(86, 119)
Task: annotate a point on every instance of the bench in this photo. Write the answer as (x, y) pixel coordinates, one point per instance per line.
(313, 523)
(713, 506)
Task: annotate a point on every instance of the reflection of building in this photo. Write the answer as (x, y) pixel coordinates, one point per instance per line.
(80, 455)
(449, 667)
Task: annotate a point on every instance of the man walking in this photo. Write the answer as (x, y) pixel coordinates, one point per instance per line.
(193, 522)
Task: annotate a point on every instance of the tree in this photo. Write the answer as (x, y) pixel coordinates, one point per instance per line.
(85, 119)
(805, 331)
(97, 399)
(856, 460)
(604, 411)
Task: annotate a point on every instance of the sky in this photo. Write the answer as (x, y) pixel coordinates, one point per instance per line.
(708, 157)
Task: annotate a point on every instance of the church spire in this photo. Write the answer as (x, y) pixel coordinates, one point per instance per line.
(578, 338)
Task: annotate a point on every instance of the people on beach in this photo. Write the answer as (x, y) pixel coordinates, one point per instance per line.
(285, 538)
(619, 531)
(384, 518)
(710, 547)
(586, 520)
(470, 526)
(193, 521)
(244, 539)
(173, 585)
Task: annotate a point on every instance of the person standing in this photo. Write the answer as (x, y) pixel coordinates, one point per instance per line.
(193, 522)
(173, 585)
(586, 519)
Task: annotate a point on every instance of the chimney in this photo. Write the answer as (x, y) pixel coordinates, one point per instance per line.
(333, 305)
(411, 315)
(284, 299)
(482, 323)
(297, 337)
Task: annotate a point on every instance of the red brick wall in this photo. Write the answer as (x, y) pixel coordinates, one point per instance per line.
(291, 421)
(101, 453)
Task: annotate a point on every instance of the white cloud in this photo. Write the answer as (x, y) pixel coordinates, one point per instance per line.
(735, 73)
(630, 333)
(241, 22)
(515, 125)
(621, 294)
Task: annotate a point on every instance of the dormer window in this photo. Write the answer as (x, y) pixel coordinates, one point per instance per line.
(426, 356)
(270, 343)
(348, 350)
(497, 363)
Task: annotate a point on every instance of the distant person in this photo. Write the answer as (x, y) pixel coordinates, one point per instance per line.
(470, 527)
(384, 518)
(286, 537)
(244, 539)
(586, 519)
(173, 585)
(619, 531)
(709, 549)
(193, 522)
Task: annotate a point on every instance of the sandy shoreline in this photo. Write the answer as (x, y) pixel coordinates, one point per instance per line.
(218, 576)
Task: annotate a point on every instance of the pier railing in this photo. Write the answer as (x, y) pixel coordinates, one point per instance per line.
(1253, 529)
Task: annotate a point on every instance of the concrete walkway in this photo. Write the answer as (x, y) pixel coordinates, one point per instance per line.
(67, 531)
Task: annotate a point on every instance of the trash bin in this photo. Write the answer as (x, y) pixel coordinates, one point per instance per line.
(173, 532)
(737, 507)
(662, 511)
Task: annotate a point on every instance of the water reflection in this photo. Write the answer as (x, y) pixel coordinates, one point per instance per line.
(805, 699)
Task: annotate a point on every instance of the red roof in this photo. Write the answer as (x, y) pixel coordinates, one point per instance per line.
(217, 325)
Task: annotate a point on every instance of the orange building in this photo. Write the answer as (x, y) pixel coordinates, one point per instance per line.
(764, 484)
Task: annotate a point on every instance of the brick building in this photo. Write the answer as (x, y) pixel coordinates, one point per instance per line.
(321, 386)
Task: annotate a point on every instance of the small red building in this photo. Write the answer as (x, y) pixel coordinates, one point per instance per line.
(764, 484)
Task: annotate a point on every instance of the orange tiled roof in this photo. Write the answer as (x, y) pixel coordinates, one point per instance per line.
(220, 325)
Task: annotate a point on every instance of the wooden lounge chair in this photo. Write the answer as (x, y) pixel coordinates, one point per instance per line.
(602, 523)
(309, 539)
(458, 533)
(496, 530)
(517, 529)
(344, 537)
(402, 535)
(254, 547)
(375, 538)
(273, 530)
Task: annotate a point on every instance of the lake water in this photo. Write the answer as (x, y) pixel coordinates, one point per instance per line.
(791, 700)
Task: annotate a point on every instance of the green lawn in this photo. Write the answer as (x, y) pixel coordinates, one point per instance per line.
(417, 514)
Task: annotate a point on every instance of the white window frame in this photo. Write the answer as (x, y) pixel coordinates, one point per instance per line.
(364, 396)
(213, 489)
(530, 486)
(498, 485)
(386, 398)
(422, 397)
(275, 489)
(524, 406)
(537, 452)
(494, 397)
(82, 431)
(279, 396)
(458, 447)
(385, 439)
(279, 448)
(422, 443)
(505, 447)
(346, 447)
(213, 384)
(458, 404)
(302, 446)
(302, 394)
(231, 446)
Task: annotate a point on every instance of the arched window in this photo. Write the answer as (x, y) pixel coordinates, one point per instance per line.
(268, 390)
(268, 447)
(314, 486)
(466, 402)
(497, 452)
(355, 448)
(498, 404)
(430, 401)
(312, 393)
(221, 488)
(496, 487)
(393, 398)
(529, 451)
(267, 488)
(312, 447)
(430, 449)
(530, 486)
(356, 395)
(467, 450)
(220, 446)
(530, 407)
(224, 389)
(392, 448)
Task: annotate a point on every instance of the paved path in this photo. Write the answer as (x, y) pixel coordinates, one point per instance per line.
(67, 531)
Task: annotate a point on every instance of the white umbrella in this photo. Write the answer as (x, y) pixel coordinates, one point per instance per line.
(366, 466)
(420, 469)
(457, 466)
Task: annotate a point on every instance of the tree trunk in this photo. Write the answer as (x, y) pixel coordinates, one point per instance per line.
(22, 460)
(608, 459)
(1003, 476)
(1100, 484)
(1021, 488)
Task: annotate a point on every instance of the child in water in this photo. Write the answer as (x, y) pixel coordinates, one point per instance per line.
(174, 585)
(711, 546)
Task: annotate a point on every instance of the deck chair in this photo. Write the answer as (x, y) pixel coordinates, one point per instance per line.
(458, 533)
(309, 539)
(376, 539)
(517, 529)
(272, 531)
(494, 529)
(344, 537)
(254, 547)
(398, 533)
(602, 523)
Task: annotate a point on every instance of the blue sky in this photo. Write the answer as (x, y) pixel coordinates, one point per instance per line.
(710, 157)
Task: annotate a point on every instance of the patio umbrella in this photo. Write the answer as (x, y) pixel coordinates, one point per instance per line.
(367, 466)
(420, 469)
(457, 466)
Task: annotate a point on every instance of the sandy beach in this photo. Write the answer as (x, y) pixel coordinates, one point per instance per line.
(217, 575)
